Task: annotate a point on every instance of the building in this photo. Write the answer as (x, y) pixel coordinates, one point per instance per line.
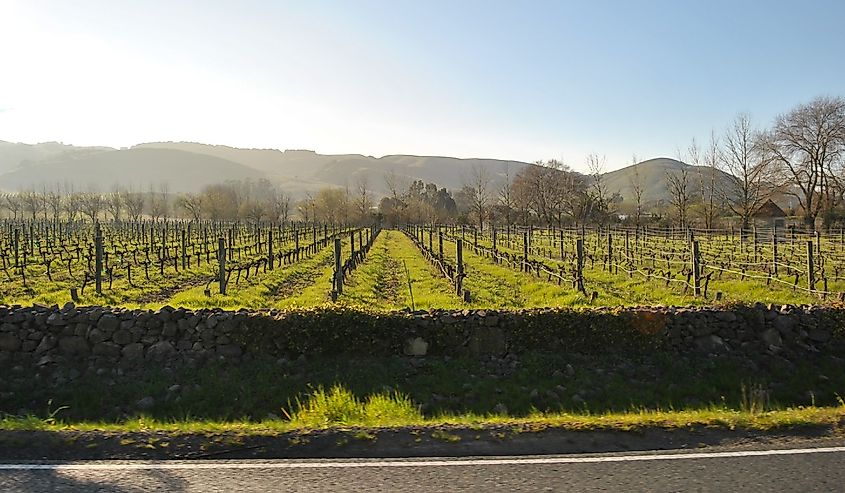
(769, 214)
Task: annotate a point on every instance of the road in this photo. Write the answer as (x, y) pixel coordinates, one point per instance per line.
(807, 469)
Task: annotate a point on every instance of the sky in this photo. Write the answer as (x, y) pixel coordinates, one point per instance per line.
(522, 80)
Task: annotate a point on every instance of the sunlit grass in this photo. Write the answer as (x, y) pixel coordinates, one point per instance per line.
(338, 408)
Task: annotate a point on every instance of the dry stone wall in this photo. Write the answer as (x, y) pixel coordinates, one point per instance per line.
(98, 336)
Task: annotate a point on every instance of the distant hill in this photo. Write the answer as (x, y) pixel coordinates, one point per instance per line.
(14, 154)
(140, 168)
(301, 170)
(653, 178)
(188, 166)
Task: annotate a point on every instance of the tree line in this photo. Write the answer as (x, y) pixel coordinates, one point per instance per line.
(801, 156)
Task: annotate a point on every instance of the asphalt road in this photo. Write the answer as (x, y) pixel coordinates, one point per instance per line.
(808, 469)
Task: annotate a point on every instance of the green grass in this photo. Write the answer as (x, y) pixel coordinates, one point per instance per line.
(339, 409)
(500, 286)
(338, 406)
(381, 282)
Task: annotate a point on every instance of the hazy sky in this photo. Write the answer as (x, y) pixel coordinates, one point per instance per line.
(522, 80)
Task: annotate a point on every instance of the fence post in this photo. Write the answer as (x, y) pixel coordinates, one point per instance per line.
(609, 251)
(494, 240)
(459, 255)
(579, 264)
(525, 239)
(98, 258)
(338, 268)
(562, 251)
(221, 258)
(440, 242)
(17, 247)
(696, 270)
(811, 278)
(270, 249)
(775, 250)
(184, 250)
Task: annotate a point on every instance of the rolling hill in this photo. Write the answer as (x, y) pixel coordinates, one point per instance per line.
(302, 170)
(187, 167)
(653, 179)
(139, 168)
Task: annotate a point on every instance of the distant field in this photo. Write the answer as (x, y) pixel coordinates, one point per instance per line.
(151, 265)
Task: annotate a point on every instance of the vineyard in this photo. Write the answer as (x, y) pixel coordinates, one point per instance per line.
(232, 265)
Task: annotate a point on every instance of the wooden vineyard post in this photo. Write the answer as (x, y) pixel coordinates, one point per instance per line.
(338, 270)
(775, 250)
(811, 280)
(17, 247)
(609, 251)
(525, 238)
(754, 242)
(221, 258)
(430, 240)
(819, 243)
(184, 250)
(494, 240)
(352, 244)
(579, 264)
(475, 237)
(270, 249)
(98, 259)
(296, 246)
(561, 245)
(459, 255)
(440, 243)
(696, 270)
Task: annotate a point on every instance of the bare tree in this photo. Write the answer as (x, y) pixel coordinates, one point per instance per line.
(13, 203)
(364, 198)
(253, 210)
(808, 144)
(708, 182)
(53, 203)
(114, 204)
(32, 202)
(134, 202)
(478, 187)
(600, 196)
(637, 188)
(91, 204)
(280, 206)
(72, 205)
(191, 203)
(749, 180)
(307, 208)
(679, 194)
(506, 196)
(159, 202)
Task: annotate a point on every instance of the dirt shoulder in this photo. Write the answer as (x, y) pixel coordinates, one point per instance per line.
(394, 442)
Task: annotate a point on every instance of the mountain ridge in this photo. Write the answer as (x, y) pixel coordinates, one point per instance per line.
(188, 166)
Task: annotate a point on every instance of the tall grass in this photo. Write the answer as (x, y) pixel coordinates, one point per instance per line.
(338, 406)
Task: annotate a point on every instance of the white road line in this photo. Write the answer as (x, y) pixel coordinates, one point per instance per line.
(143, 465)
